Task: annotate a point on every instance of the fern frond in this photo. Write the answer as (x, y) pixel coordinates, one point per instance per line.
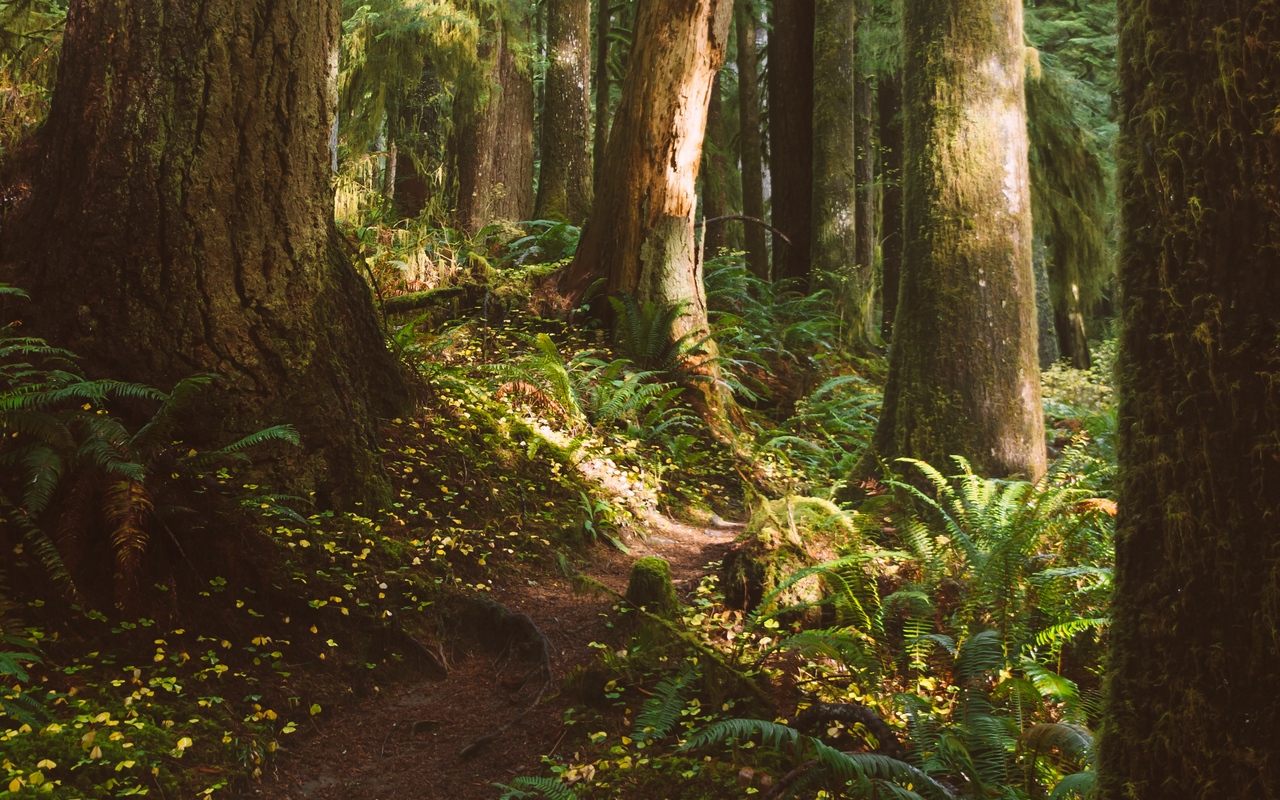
(662, 711)
(528, 788)
(125, 509)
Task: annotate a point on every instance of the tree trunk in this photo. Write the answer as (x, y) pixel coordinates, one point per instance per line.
(834, 246)
(889, 99)
(751, 148)
(1048, 335)
(181, 222)
(1192, 708)
(493, 139)
(1073, 339)
(641, 234)
(791, 136)
(564, 189)
(862, 294)
(604, 27)
(715, 194)
(963, 377)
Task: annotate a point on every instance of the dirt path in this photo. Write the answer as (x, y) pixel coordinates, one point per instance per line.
(402, 742)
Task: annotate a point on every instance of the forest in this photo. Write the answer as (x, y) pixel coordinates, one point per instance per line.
(640, 399)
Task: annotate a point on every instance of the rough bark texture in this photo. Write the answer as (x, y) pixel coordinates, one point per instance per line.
(889, 100)
(1073, 338)
(564, 186)
(751, 150)
(791, 136)
(493, 140)
(600, 134)
(834, 146)
(963, 377)
(861, 294)
(181, 222)
(715, 193)
(641, 235)
(1192, 709)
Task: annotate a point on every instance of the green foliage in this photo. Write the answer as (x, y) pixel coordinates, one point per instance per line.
(662, 711)
(525, 788)
(645, 335)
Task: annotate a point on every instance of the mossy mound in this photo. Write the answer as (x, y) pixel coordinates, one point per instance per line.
(650, 587)
(784, 536)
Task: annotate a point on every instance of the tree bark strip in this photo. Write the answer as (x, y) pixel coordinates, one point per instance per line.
(749, 141)
(791, 136)
(564, 186)
(889, 116)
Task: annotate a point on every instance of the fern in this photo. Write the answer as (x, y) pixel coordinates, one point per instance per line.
(528, 788)
(662, 711)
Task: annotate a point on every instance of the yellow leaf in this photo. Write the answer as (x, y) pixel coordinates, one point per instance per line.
(184, 743)
(95, 753)
(15, 785)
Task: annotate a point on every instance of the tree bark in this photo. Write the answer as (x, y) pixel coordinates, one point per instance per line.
(181, 221)
(564, 188)
(791, 136)
(715, 194)
(751, 148)
(963, 377)
(1048, 336)
(889, 99)
(1192, 709)
(861, 296)
(604, 28)
(1073, 339)
(493, 137)
(835, 146)
(641, 234)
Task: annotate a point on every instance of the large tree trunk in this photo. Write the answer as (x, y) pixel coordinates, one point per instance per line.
(641, 234)
(963, 377)
(791, 136)
(564, 187)
(181, 222)
(751, 150)
(1048, 336)
(862, 297)
(715, 193)
(889, 99)
(600, 134)
(834, 245)
(493, 138)
(1192, 708)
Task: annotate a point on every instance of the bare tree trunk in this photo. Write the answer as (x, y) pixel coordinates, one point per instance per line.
(715, 200)
(751, 148)
(641, 234)
(791, 136)
(564, 188)
(889, 99)
(1192, 709)
(604, 27)
(1048, 336)
(963, 377)
(493, 140)
(181, 221)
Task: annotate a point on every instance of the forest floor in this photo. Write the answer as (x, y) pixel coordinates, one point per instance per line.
(403, 741)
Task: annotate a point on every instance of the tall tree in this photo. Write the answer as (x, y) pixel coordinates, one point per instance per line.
(834, 245)
(862, 296)
(790, 78)
(564, 185)
(641, 235)
(751, 150)
(1192, 710)
(181, 221)
(889, 118)
(493, 133)
(715, 175)
(963, 376)
(600, 133)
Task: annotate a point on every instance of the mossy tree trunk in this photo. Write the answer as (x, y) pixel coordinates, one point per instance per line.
(889, 118)
(1048, 336)
(861, 298)
(641, 235)
(715, 175)
(790, 78)
(1192, 708)
(492, 141)
(751, 149)
(963, 377)
(1073, 339)
(834, 245)
(181, 221)
(564, 185)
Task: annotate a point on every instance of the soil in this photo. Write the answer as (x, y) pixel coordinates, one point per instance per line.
(402, 742)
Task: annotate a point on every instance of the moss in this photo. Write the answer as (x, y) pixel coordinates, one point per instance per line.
(650, 587)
